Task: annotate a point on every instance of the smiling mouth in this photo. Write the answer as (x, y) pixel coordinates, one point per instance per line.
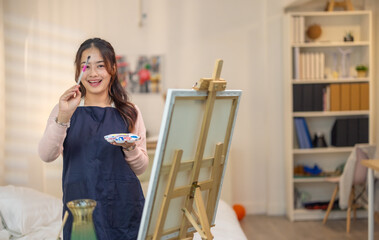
(94, 83)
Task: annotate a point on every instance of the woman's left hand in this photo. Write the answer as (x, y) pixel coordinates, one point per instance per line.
(126, 145)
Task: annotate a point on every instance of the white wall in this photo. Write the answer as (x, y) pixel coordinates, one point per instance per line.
(191, 34)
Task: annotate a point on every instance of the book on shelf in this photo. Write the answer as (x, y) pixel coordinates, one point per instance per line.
(298, 29)
(307, 133)
(317, 73)
(335, 91)
(364, 96)
(302, 67)
(301, 31)
(345, 97)
(354, 96)
(297, 98)
(296, 63)
(326, 98)
(363, 131)
(299, 133)
(352, 135)
(308, 97)
(302, 132)
(322, 65)
(307, 66)
(349, 131)
(312, 66)
(318, 100)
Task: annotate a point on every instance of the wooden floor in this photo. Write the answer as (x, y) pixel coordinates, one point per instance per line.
(262, 227)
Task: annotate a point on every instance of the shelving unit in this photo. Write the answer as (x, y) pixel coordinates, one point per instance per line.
(329, 46)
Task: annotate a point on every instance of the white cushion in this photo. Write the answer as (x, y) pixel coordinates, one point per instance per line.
(25, 209)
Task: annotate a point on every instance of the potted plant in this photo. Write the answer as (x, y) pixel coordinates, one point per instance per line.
(361, 70)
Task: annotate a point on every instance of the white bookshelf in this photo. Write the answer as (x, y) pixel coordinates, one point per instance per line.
(334, 26)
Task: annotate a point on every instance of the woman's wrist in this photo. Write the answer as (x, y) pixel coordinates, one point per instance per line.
(63, 117)
(63, 124)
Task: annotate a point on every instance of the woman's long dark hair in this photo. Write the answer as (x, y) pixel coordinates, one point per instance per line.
(117, 94)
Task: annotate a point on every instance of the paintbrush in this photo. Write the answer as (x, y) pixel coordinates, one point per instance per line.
(83, 70)
(63, 223)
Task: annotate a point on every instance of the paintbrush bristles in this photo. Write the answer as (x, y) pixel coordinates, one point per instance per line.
(83, 70)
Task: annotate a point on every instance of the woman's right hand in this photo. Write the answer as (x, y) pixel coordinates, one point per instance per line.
(68, 103)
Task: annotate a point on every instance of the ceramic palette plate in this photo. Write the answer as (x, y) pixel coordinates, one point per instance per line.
(122, 137)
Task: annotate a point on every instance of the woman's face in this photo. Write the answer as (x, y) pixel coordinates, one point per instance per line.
(96, 78)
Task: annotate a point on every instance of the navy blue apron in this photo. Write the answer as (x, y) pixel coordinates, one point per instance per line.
(95, 169)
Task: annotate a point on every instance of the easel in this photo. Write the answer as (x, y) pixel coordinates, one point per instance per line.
(200, 219)
(346, 4)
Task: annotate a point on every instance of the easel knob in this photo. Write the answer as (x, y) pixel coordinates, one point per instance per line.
(212, 84)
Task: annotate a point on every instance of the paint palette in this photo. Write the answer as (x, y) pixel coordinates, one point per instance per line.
(122, 137)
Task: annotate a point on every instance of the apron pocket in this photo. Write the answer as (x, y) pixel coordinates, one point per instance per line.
(125, 204)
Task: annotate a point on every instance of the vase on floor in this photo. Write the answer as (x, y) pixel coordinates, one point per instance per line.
(82, 226)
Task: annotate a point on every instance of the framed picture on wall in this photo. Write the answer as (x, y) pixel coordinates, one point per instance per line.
(140, 74)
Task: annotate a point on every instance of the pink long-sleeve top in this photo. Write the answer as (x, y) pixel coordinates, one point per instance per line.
(51, 144)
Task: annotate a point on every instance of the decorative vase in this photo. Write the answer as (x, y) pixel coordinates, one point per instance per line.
(314, 31)
(82, 226)
(319, 140)
(361, 74)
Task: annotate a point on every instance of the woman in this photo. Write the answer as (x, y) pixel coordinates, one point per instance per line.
(93, 168)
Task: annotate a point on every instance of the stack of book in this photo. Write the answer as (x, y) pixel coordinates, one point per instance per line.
(348, 96)
(308, 65)
(308, 97)
(350, 131)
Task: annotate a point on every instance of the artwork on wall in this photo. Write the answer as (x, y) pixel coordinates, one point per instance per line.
(140, 74)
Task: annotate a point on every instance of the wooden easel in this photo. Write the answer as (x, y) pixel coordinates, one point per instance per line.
(201, 218)
(346, 4)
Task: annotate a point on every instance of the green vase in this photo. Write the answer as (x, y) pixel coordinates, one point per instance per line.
(82, 226)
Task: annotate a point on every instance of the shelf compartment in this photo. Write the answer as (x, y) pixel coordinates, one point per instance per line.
(331, 44)
(331, 113)
(323, 150)
(332, 14)
(309, 179)
(323, 81)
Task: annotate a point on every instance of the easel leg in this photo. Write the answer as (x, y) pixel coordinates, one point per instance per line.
(167, 196)
(204, 230)
(216, 178)
(330, 6)
(202, 214)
